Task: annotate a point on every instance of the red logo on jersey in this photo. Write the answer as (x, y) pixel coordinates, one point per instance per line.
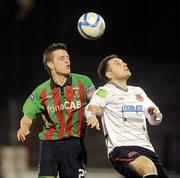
(76, 92)
(139, 97)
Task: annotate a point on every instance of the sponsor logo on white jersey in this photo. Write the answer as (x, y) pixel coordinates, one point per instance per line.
(131, 108)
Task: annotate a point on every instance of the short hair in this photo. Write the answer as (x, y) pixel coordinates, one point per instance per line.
(48, 51)
(102, 68)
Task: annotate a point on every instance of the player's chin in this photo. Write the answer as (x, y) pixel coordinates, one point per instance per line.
(129, 74)
(68, 70)
(67, 73)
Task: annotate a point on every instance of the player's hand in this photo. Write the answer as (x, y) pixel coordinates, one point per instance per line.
(22, 133)
(96, 110)
(93, 122)
(154, 113)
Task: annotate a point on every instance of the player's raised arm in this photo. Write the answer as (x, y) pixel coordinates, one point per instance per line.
(152, 112)
(156, 116)
(24, 129)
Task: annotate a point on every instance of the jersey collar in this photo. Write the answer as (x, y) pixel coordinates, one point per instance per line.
(117, 86)
(68, 82)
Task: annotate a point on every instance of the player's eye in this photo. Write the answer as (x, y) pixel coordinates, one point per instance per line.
(118, 63)
(61, 58)
(67, 57)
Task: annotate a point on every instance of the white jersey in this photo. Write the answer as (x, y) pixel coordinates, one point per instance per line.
(124, 116)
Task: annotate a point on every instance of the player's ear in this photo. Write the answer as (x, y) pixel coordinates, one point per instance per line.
(50, 64)
(109, 75)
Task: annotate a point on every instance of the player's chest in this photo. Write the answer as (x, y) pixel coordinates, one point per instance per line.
(127, 105)
(61, 95)
(62, 98)
(121, 98)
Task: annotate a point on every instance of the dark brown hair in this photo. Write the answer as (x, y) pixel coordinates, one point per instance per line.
(102, 68)
(48, 51)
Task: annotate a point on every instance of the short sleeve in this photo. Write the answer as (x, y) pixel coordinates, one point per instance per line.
(100, 97)
(89, 89)
(32, 105)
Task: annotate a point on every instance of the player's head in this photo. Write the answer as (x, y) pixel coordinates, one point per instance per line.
(56, 59)
(112, 67)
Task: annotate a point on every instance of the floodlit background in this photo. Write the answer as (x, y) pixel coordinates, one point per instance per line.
(145, 33)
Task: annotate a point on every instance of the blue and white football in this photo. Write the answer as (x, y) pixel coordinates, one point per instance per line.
(91, 26)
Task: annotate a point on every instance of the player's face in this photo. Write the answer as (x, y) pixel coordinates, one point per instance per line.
(117, 69)
(60, 63)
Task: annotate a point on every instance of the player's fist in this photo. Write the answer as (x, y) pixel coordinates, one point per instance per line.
(154, 112)
(22, 133)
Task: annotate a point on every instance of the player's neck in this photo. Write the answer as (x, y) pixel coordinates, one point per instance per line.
(120, 84)
(59, 79)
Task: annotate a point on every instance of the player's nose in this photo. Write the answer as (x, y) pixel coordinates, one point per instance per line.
(67, 61)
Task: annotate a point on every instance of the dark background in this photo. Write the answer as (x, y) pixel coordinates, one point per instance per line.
(145, 33)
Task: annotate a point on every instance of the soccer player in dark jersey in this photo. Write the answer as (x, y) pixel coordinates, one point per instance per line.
(61, 101)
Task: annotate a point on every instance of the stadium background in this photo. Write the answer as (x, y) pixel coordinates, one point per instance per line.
(145, 33)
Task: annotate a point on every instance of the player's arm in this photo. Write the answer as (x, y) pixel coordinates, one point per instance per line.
(92, 121)
(24, 129)
(91, 112)
(155, 114)
(89, 89)
(95, 107)
(95, 110)
(31, 108)
(152, 112)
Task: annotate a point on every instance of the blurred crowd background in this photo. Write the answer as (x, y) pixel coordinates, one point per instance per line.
(145, 33)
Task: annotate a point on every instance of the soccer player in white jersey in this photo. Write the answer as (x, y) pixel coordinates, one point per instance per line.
(124, 110)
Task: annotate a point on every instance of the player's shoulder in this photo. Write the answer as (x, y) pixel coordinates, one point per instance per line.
(134, 88)
(104, 90)
(75, 75)
(42, 86)
(107, 88)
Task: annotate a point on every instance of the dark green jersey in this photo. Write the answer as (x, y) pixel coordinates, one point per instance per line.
(63, 107)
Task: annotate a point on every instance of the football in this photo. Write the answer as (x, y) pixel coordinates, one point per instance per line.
(91, 26)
